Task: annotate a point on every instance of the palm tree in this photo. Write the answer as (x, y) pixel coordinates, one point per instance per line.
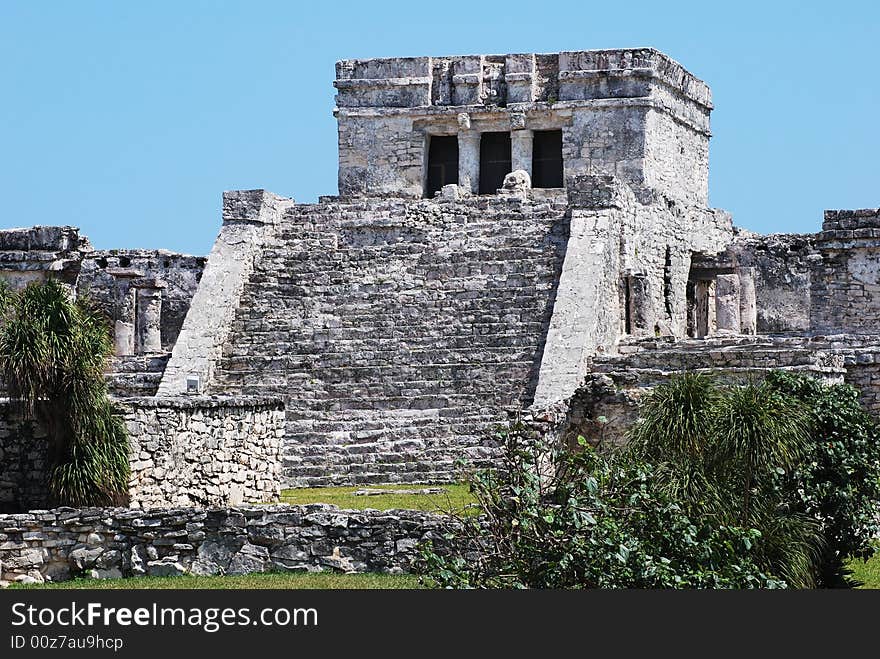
(54, 351)
(717, 451)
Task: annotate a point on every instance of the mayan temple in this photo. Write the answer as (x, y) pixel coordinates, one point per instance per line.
(525, 232)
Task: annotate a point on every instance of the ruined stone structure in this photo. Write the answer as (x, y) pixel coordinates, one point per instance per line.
(523, 231)
(185, 451)
(102, 543)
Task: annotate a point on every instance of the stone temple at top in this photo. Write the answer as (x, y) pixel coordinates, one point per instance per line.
(409, 126)
(512, 234)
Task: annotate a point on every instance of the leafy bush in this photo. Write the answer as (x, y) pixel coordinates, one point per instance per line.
(769, 484)
(838, 483)
(720, 453)
(53, 354)
(554, 518)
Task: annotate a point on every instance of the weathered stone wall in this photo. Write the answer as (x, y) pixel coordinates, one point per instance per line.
(64, 543)
(845, 287)
(615, 386)
(248, 216)
(677, 155)
(136, 375)
(106, 277)
(199, 451)
(35, 253)
(782, 265)
(23, 463)
(38, 252)
(634, 114)
(397, 331)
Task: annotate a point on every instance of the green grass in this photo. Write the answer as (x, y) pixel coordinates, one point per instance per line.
(866, 572)
(276, 581)
(457, 498)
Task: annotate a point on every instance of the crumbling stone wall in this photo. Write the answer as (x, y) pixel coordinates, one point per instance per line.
(607, 403)
(64, 543)
(198, 451)
(39, 252)
(36, 253)
(106, 277)
(845, 290)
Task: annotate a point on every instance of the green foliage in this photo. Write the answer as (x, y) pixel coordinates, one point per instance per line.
(720, 453)
(264, 581)
(838, 482)
(768, 484)
(53, 354)
(555, 518)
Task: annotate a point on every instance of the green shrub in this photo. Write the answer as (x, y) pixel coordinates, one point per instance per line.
(719, 453)
(768, 484)
(838, 482)
(554, 518)
(53, 354)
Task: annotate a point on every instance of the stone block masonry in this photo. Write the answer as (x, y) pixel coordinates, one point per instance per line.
(107, 278)
(60, 544)
(201, 451)
(193, 451)
(845, 285)
(247, 219)
(396, 330)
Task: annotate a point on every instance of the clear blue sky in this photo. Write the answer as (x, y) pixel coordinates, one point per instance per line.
(129, 119)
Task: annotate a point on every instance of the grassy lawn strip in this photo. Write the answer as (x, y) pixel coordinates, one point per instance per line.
(867, 572)
(272, 581)
(457, 498)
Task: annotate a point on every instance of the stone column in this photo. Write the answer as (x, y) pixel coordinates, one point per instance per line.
(641, 309)
(702, 325)
(468, 155)
(149, 315)
(124, 327)
(521, 151)
(748, 303)
(727, 294)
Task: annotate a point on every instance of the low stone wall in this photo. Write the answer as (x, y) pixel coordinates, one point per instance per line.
(65, 543)
(185, 451)
(203, 451)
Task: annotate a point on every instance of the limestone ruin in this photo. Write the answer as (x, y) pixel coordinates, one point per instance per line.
(526, 231)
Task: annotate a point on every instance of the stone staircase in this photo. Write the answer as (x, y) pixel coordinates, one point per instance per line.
(136, 375)
(397, 332)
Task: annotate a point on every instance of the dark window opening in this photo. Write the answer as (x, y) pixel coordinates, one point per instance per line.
(691, 295)
(547, 159)
(124, 261)
(494, 161)
(442, 163)
(667, 282)
(627, 306)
